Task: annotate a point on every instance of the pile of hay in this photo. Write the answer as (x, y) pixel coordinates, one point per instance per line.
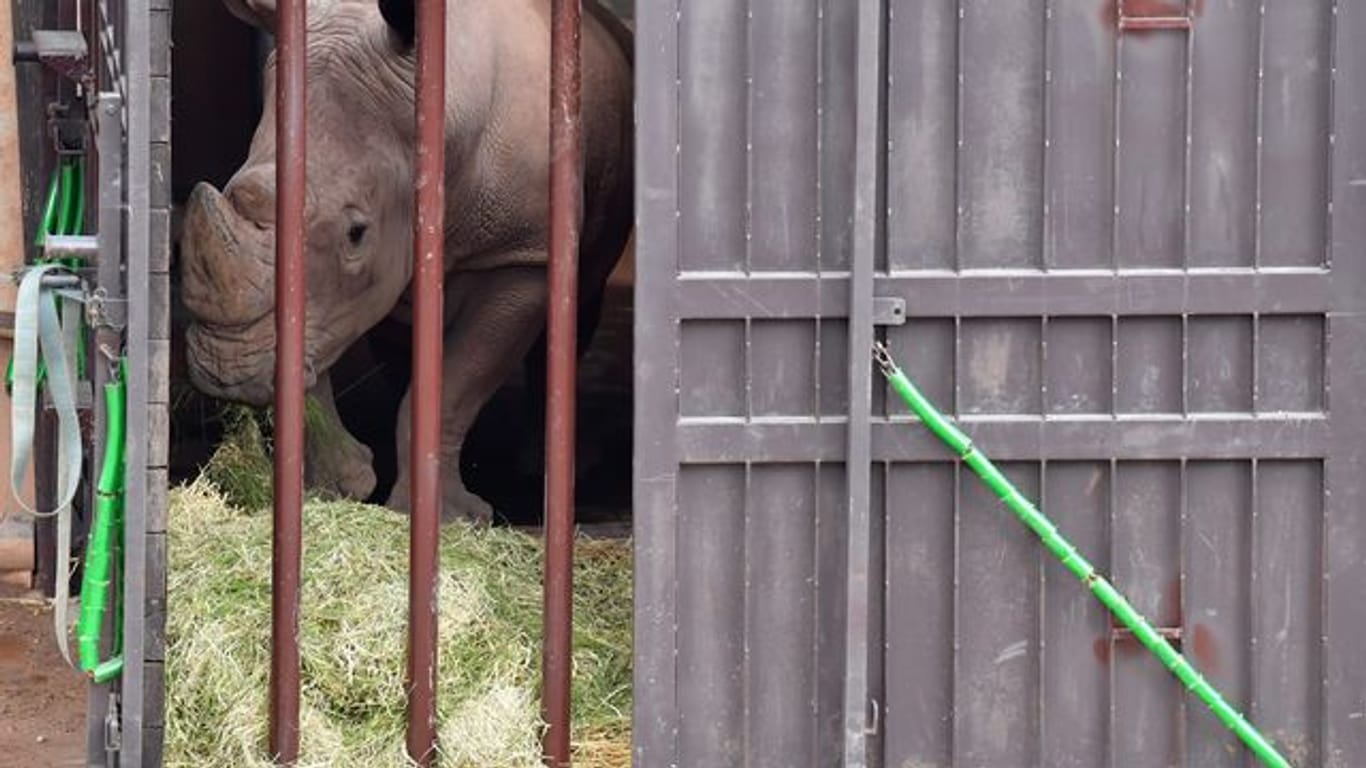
(353, 631)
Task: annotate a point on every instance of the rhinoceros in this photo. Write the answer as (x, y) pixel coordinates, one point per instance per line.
(359, 214)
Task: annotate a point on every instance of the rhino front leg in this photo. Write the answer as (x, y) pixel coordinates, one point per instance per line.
(335, 462)
(495, 317)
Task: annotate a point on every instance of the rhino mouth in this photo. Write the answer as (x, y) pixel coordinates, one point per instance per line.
(236, 364)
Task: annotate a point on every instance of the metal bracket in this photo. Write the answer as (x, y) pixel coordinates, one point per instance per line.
(49, 280)
(1151, 17)
(104, 312)
(1153, 23)
(1124, 634)
(889, 310)
(63, 51)
(69, 133)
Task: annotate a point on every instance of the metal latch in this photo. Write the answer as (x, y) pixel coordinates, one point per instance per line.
(113, 732)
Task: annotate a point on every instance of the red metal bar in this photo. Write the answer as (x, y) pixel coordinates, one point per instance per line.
(566, 197)
(1150, 23)
(428, 270)
(290, 131)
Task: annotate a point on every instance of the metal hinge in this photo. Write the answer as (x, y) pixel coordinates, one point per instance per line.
(113, 731)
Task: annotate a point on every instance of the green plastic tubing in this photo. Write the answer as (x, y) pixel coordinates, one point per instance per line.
(68, 198)
(76, 226)
(1073, 560)
(63, 214)
(49, 211)
(101, 551)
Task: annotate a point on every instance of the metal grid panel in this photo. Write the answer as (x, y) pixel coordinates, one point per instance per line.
(745, 585)
(1130, 268)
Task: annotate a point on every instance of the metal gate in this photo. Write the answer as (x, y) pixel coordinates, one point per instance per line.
(1121, 243)
(117, 52)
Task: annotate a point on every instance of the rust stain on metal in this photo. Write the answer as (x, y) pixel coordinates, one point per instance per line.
(1171, 611)
(1205, 648)
(1100, 647)
(1126, 645)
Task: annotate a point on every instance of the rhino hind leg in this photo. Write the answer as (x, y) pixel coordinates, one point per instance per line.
(335, 462)
(531, 459)
(497, 315)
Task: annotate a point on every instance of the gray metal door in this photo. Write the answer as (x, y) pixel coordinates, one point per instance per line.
(1130, 256)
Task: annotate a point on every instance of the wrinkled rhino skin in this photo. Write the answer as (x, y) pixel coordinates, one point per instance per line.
(359, 216)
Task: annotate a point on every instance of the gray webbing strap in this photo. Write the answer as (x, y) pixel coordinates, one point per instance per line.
(36, 322)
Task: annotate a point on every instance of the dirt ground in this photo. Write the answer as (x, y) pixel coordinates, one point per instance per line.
(42, 700)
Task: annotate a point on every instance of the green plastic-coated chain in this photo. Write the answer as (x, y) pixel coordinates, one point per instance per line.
(1054, 541)
(104, 547)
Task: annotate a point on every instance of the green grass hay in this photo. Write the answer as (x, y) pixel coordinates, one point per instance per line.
(353, 632)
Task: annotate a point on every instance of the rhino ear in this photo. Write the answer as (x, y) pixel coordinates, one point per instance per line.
(399, 15)
(260, 13)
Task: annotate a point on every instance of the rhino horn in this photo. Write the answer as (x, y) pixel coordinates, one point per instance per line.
(399, 15)
(260, 13)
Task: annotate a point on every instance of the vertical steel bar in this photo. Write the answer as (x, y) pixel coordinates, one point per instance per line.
(566, 201)
(1343, 660)
(140, 686)
(428, 270)
(867, 215)
(290, 135)
(658, 91)
(109, 227)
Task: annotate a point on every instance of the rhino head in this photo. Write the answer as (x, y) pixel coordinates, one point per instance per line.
(358, 208)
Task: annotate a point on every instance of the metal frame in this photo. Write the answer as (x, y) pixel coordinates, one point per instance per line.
(130, 123)
(1085, 258)
(1343, 667)
(142, 683)
(110, 146)
(868, 215)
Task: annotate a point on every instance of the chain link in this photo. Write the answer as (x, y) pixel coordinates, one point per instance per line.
(112, 62)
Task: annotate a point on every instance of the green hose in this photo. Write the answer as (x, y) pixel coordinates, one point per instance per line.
(104, 550)
(63, 214)
(1054, 541)
(66, 225)
(49, 220)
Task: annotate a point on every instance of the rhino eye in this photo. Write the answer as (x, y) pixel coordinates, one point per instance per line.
(356, 233)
